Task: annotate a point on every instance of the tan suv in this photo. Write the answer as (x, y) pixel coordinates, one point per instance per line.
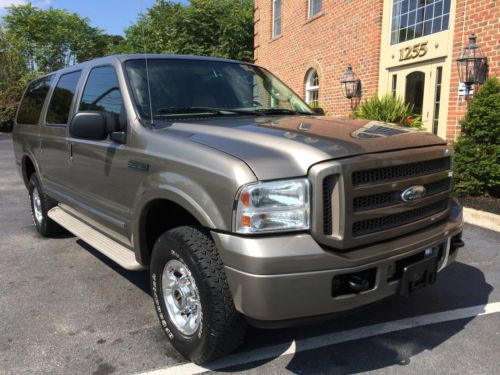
(245, 204)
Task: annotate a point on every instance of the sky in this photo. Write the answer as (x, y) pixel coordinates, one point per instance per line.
(113, 16)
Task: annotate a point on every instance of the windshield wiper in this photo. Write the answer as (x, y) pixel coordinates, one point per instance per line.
(280, 111)
(194, 110)
(168, 111)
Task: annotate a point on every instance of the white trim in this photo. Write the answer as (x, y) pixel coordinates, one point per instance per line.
(328, 339)
(309, 9)
(309, 84)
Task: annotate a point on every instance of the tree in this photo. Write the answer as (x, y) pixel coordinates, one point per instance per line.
(477, 157)
(52, 39)
(34, 42)
(220, 28)
(13, 78)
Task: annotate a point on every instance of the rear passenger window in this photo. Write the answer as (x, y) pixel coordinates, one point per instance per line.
(102, 91)
(60, 104)
(32, 103)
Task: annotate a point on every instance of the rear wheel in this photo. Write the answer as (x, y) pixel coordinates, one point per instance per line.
(192, 297)
(40, 205)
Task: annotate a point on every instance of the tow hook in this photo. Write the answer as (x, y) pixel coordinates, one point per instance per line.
(456, 242)
(358, 283)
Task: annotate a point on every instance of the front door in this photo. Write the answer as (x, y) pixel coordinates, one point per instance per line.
(414, 91)
(420, 86)
(99, 168)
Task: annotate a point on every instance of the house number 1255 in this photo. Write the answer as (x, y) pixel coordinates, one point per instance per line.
(412, 52)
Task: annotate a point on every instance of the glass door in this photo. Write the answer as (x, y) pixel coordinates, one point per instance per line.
(414, 92)
(420, 86)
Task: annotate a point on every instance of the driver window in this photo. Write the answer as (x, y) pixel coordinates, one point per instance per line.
(102, 91)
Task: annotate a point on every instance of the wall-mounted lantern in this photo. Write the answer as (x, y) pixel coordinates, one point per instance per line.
(472, 65)
(351, 85)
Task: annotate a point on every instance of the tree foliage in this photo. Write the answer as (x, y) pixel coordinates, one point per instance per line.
(53, 38)
(13, 78)
(219, 28)
(35, 41)
(477, 158)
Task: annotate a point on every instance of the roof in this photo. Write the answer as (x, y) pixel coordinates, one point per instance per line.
(125, 57)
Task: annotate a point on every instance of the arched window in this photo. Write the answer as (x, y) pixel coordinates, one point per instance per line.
(312, 88)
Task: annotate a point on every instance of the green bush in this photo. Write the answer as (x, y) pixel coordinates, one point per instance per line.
(477, 158)
(388, 108)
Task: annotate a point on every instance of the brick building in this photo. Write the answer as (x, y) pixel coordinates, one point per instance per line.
(405, 47)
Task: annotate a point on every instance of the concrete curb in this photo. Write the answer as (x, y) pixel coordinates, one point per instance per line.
(482, 219)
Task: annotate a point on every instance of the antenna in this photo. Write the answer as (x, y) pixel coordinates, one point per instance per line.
(147, 75)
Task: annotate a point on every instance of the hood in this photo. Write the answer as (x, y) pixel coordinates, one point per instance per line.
(282, 147)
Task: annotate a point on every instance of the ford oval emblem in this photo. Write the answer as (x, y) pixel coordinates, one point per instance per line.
(413, 193)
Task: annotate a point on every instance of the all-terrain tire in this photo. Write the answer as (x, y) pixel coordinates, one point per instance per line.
(221, 328)
(43, 223)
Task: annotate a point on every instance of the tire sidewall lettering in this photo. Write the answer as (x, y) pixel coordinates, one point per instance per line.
(156, 300)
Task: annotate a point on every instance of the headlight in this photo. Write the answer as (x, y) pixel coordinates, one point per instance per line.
(273, 207)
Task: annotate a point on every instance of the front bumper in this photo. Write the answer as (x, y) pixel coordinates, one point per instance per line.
(291, 276)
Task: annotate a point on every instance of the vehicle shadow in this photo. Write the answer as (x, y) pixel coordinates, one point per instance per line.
(139, 278)
(458, 286)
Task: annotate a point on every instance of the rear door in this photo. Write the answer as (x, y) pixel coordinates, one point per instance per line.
(27, 127)
(54, 132)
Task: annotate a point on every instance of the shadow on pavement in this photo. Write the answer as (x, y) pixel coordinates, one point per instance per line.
(139, 278)
(458, 286)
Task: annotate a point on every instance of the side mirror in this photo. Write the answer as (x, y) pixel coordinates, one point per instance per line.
(319, 111)
(89, 125)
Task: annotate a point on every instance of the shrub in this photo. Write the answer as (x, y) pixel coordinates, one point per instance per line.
(388, 108)
(477, 158)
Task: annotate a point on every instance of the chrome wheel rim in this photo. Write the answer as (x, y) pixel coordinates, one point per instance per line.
(181, 297)
(37, 206)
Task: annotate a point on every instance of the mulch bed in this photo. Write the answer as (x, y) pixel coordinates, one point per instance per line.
(488, 204)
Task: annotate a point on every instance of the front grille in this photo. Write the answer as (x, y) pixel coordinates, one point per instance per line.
(358, 200)
(327, 205)
(390, 198)
(378, 224)
(400, 172)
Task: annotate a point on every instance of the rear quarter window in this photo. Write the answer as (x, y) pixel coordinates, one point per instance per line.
(60, 104)
(33, 100)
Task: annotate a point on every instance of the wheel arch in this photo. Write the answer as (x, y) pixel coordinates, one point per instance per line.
(164, 210)
(28, 167)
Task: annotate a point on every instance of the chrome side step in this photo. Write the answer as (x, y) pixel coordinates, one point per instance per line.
(113, 250)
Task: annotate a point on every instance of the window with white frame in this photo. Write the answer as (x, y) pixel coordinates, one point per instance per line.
(416, 18)
(276, 18)
(315, 6)
(312, 88)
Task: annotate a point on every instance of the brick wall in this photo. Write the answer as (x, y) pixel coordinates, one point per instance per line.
(345, 32)
(481, 17)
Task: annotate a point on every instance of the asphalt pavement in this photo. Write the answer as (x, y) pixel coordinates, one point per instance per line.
(66, 309)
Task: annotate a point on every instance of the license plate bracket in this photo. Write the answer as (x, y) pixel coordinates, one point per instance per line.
(418, 275)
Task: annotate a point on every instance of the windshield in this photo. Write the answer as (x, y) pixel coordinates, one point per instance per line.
(194, 86)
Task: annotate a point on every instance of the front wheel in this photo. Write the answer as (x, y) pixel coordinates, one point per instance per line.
(192, 297)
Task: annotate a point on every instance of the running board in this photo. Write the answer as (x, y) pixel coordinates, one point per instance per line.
(113, 250)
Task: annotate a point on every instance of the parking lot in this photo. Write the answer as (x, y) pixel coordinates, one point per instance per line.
(64, 309)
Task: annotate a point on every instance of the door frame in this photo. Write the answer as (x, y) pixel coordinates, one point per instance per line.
(429, 68)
